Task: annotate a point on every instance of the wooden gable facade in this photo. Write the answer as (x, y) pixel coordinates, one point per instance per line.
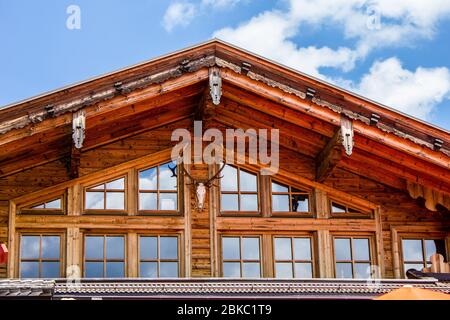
(72, 161)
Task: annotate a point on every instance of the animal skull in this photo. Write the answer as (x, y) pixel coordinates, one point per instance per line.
(200, 193)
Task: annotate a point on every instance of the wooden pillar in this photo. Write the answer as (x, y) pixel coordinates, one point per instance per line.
(325, 254)
(132, 255)
(73, 253)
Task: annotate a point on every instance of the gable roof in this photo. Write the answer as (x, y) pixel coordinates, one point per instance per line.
(410, 145)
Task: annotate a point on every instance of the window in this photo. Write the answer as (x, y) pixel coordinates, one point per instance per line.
(239, 190)
(417, 252)
(106, 196)
(158, 257)
(53, 206)
(338, 209)
(241, 257)
(352, 257)
(289, 199)
(158, 188)
(293, 257)
(40, 256)
(104, 256)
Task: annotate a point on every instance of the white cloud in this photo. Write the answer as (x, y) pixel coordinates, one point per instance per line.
(372, 24)
(220, 3)
(178, 14)
(413, 92)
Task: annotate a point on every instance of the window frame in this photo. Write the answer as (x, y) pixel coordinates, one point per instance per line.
(422, 237)
(363, 214)
(372, 251)
(293, 260)
(239, 213)
(28, 210)
(289, 185)
(159, 260)
(40, 234)
(241, 261)
(107, 211)
(179, 190)
(105, 260)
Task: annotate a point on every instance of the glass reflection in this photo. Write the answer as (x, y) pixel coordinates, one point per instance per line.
(342, 249)
(230, 248)
(250, 248)
(283, 250)
(168, 247)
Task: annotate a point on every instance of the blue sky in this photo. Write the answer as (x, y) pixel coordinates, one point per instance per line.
(398, 54)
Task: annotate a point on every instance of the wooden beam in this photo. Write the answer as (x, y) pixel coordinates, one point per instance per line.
(373, 133)
(74, 163)
(298, 117)
(329, 157)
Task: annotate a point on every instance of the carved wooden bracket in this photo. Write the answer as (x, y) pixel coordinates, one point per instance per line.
(215, 85)
(78, 128)
(432, 197)
(347, 134)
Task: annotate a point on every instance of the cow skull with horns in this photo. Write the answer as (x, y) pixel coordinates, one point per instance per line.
(201, 185)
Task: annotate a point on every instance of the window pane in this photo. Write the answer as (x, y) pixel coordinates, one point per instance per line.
(283, 249)
(250, 248)
(342, 249)
(55, 204)
(232, 269)
(248, 181)
(115, 248)
(40, 206)
(435, 246)
(118, 184)
(50, 247)
(50, 270)
(148, 248)
(361, 249)
(344, 270)
(94, 247)
(300, 203)
(115, 200)
(30, 247)
(412, 250)
(168, 269)
(93, 269)
(302, 249)
(149, 270)
(251, 270)
(230, 248)
(276, 187)
(168, 201)
(362, 270)
(280, 203)
(166, 181)
(350, 210)
(283, 270)
(147, 201)
(229, 202)
(94, 200)
(337, 208)
(148, 179)
(414, 266)
(229, 180)
(29, 270)
(249, 202)
(168, 247)
(115, 269)
(303, 270)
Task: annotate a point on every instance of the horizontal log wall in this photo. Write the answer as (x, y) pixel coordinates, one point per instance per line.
(396, 207)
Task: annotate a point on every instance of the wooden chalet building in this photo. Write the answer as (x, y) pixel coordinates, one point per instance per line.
(87, 187)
